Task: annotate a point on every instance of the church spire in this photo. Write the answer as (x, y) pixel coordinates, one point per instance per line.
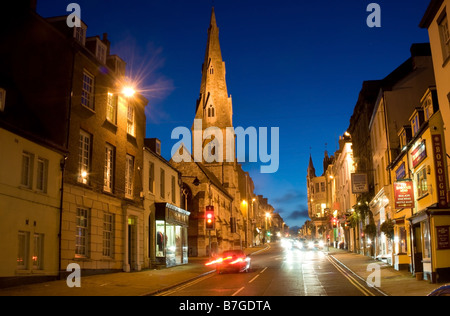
(214, 105)
(311, 169)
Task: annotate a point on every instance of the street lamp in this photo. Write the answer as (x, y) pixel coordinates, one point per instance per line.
(128, 91)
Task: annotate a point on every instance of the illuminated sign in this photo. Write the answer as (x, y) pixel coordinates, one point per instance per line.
(439, 165)
(404, 194)
(419, 154)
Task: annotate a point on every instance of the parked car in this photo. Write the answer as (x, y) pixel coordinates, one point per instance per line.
(232, 261)
(441, 291)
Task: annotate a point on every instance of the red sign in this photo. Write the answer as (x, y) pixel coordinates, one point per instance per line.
(439, 165)
(404, 194)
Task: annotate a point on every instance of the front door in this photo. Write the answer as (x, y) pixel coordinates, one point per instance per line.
(417, 244)
(132, 243)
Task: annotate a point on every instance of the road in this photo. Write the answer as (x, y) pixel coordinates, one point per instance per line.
(280, 272)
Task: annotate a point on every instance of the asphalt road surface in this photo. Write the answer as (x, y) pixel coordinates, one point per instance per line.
(281, 271)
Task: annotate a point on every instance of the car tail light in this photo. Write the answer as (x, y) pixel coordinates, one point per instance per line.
(219, 260)
(237, 260)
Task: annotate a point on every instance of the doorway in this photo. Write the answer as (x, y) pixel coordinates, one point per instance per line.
(132, 243)
(417, 248)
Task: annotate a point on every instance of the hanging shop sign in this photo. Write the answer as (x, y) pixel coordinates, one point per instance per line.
(419, 154)
(359, 183)
(439, 166)
(404, 194)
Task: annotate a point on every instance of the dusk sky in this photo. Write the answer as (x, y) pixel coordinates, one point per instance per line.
(296, 65)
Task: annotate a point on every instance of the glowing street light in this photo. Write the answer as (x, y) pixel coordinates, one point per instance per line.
(128, 91)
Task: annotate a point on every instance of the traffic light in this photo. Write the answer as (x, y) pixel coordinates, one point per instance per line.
(334, 221)
(210, 218)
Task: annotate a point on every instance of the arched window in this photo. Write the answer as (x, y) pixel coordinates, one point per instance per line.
(211, 70)
(211, 111)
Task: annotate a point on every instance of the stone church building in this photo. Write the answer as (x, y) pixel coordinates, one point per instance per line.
(213, 183)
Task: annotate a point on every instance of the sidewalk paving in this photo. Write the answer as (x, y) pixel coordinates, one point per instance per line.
(148, 282)
(392, 282)
(140, 283)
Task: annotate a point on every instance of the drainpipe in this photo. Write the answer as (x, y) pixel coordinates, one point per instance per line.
(63, 167)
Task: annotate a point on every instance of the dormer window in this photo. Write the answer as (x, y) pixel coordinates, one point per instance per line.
(416, 121)
(116, 64)
(404, 136)
(100, 52)
(429, 103)
(415, 124)
(211, 111)
(79, 33)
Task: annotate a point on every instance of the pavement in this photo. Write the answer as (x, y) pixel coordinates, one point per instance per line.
(151, 281)
(391, 282)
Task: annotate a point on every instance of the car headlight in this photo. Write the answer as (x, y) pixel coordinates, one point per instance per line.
(311, 244)
(321, 243)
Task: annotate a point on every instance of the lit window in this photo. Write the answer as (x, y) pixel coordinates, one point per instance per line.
(129, 176)
(38, 250)
(81, 233)
(422, 185)
(22, 251)
(87, 92)
(84, 157)
(428, 108)
(130, 120)
(109, 169)
(111, 108)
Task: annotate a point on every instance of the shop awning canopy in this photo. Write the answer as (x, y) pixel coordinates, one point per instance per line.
(171, 214)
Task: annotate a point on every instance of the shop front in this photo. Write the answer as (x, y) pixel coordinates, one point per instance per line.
(430, 230)
(171, 225)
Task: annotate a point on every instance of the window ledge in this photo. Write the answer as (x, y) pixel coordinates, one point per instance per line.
(423, 196)
(112, 125)
(88, 108)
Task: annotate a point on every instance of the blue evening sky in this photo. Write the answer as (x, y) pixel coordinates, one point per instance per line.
(296, 65)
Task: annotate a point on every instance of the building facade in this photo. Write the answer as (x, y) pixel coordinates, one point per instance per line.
(398, 96)
(70, 92)
(165, 221)
(30, 207)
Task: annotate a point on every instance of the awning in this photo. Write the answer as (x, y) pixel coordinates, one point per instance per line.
(171, 214)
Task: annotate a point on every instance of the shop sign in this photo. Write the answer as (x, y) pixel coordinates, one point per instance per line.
(419, 154)
(400, 173)
(404, 194)
(443, 237)
(359, 183)
(439, 165)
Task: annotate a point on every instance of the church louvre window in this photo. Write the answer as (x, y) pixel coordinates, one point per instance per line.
(211, 111)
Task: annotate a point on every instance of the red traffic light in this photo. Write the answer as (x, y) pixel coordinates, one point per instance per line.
(209, 218)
